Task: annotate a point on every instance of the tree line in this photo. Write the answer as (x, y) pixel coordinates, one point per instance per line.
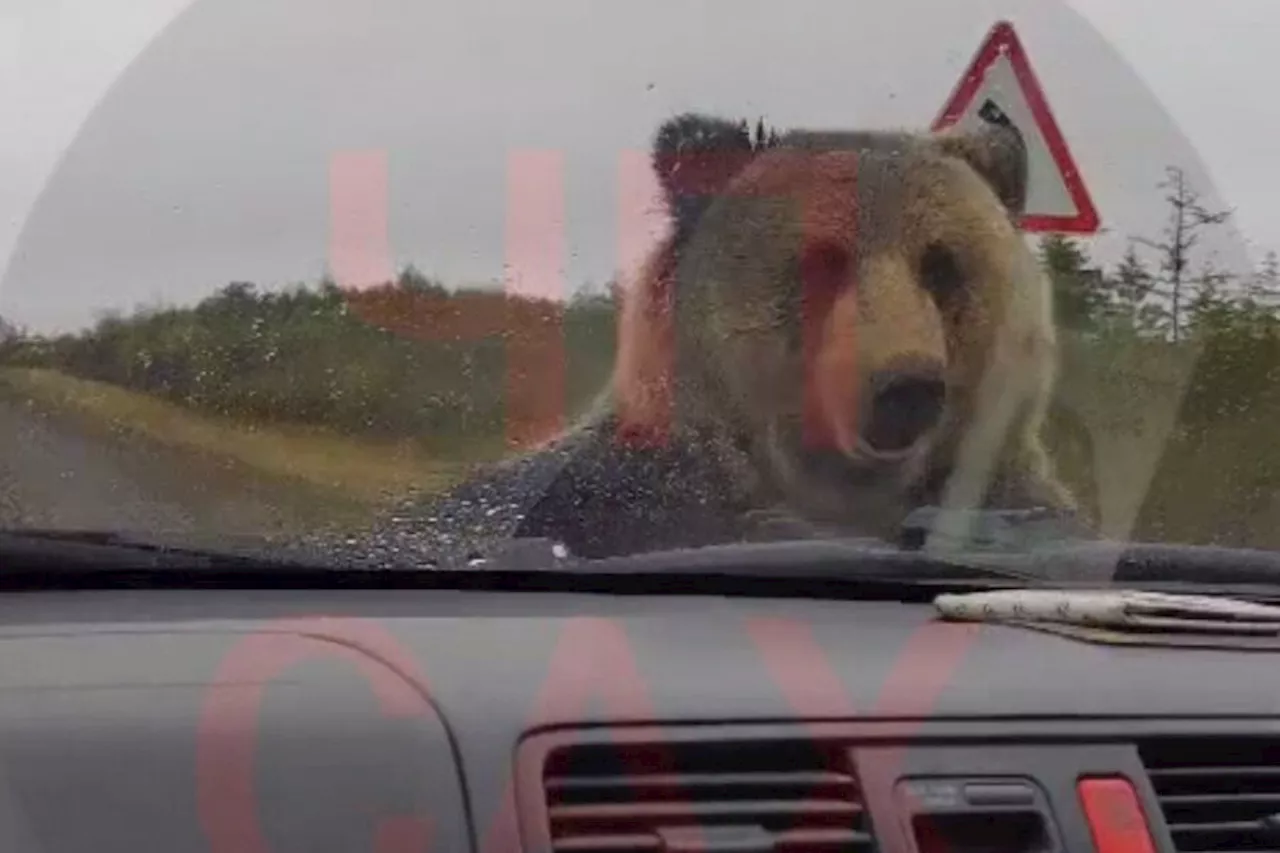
(407, 359)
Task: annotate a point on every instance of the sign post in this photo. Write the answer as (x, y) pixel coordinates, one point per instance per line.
(1000, 87)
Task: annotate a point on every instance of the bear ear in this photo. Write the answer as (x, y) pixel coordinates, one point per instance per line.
(695, 157)
(998, 153)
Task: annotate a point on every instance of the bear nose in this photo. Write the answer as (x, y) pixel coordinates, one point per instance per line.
(905, 405)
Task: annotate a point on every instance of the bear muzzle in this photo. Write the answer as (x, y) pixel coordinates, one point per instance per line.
(905, 403)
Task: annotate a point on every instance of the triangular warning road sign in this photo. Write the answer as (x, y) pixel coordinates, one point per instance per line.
(999, 86)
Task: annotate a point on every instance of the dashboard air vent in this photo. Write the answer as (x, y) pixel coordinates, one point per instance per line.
(1217, 794)
(690, 798)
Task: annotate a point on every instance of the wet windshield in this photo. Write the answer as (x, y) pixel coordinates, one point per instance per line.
(405, 279)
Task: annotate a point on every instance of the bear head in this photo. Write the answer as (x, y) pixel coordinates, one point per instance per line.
(844, 318)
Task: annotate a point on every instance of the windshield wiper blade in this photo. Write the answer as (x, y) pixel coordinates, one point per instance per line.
(59, 559)
(1055, 546)
(1199, 565)
(38, 549)
(44, 559)
(831, 559)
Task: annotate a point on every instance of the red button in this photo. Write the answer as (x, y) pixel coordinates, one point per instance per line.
(1115, 816)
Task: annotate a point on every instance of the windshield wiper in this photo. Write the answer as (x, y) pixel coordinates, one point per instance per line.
(833, 568)
(36, 549)
(60, 559)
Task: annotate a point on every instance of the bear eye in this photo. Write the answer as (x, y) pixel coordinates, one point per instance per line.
(940, 273)
(824, 268)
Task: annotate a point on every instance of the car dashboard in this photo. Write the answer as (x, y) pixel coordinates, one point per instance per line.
(530, 722)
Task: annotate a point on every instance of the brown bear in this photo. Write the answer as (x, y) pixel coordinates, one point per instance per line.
(839, 328)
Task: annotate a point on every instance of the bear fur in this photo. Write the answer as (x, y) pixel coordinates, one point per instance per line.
(840, 327)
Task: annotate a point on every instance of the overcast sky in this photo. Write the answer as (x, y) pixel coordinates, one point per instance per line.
(156, 149)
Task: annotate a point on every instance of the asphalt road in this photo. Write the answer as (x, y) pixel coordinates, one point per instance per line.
(57, 471)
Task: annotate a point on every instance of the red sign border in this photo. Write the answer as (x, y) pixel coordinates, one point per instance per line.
(1002, 38)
